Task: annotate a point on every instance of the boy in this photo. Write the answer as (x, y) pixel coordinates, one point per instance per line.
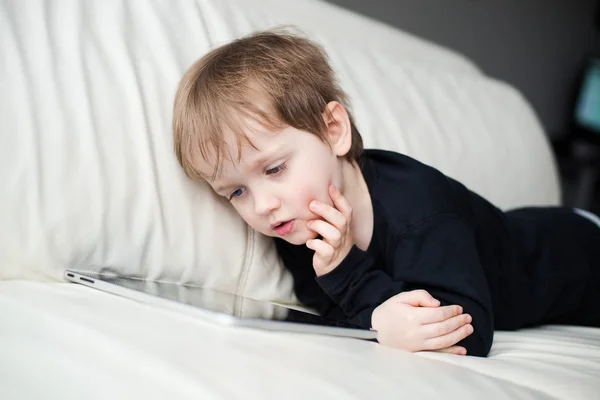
(373, 236)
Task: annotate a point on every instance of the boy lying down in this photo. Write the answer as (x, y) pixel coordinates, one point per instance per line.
(373, 236)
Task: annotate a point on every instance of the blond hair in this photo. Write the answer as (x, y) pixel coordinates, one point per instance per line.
(293, 75)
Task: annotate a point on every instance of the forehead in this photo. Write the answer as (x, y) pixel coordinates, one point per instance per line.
(241, 151)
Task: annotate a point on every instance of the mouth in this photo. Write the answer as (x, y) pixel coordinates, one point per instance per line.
(283, 227)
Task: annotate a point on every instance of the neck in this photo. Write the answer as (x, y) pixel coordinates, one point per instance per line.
(355, 190)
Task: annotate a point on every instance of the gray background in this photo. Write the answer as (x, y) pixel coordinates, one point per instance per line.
(535, 45)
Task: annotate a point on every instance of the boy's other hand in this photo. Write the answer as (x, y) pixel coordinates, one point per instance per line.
(414, 321)
(335, 231)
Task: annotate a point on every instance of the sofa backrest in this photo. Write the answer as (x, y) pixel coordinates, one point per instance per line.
(86, 163)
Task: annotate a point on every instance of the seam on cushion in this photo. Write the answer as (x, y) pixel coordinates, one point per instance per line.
(248, 257)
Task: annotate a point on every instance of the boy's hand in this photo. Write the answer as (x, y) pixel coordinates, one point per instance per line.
(335, 231)
(414, 321)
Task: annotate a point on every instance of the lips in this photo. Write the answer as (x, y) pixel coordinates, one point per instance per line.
(284, 227)
(278, 223)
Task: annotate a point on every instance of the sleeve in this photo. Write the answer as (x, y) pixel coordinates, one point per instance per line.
(438, 255)
(358, 286)
(298, 260)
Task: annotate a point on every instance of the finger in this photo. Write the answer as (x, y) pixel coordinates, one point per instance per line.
(450, 339)
(457, 350)
(418, 298)
(438, 314)
(326, 230)
(323, 252)
(340, 201)
(330, 214)
(450, 325)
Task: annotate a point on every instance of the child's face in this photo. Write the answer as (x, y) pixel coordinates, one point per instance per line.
(275, 182)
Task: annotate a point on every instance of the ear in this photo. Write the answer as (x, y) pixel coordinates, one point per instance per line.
(339, 129)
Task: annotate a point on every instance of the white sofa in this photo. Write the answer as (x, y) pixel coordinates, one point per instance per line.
(89, 178)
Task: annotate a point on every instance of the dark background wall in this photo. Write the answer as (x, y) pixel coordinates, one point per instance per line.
(535, 45)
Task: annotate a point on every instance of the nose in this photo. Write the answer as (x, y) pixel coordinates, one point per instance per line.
(265, 203)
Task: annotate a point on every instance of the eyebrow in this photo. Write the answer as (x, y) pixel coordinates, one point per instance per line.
(220, 188)
(266, 157)
(257, 163)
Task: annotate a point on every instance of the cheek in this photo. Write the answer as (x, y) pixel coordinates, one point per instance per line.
(246, 215)
(307, 190)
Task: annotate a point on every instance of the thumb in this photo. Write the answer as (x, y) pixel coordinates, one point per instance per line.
(418, 298)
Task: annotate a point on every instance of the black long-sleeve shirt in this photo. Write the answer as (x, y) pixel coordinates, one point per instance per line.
(507, 270)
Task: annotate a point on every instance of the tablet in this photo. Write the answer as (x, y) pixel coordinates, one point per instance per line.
(218, 307)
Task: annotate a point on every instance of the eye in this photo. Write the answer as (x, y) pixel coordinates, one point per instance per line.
(276, 170)
(236, 193)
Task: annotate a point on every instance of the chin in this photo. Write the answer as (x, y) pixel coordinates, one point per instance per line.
(298, 241)
(293, 241)
(300, 238)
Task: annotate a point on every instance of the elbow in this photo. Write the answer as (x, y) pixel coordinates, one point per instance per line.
(479, 343)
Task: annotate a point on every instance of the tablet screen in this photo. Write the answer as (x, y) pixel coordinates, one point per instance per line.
(217, 301)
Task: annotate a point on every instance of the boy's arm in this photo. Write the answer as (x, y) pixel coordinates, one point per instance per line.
(438, 255)
(359, 287)
(298, 260)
